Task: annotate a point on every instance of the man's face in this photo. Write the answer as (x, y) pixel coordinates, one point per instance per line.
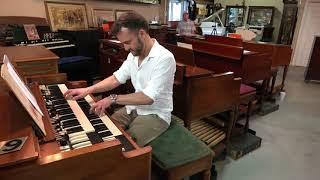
(185, 16)
(131, 40)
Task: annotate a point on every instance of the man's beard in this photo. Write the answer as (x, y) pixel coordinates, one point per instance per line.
(138, 50)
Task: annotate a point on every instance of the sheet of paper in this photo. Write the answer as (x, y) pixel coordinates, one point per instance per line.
(23, 88)
(184, 45)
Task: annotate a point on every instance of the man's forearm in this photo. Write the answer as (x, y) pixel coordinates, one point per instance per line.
(134, 99)
(105, 85)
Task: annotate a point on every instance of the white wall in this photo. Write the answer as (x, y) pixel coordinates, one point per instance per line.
(36, 8)
(309, 28)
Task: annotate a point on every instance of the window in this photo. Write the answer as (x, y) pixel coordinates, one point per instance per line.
(176, 9)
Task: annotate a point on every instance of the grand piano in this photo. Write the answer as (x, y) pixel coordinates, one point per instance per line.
(67, 142)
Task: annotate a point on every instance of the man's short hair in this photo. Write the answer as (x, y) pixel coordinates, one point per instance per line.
(131, 20)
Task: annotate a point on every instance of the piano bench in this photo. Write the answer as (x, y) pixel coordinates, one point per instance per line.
(247, 96)
(180, 154)
(77, 68)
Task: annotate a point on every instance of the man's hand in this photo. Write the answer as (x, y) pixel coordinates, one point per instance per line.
(100, 106)
(75, 94)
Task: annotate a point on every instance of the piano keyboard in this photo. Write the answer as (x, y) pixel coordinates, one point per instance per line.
(75, 126)
(54, 44)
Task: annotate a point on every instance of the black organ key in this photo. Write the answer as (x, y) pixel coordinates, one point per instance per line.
(96, 121)
(100, 127)
(74, 130)
(92, 116)
(63, 142)
(69, 116)
(94, 137)
(105, 133)
(61, 106)
(57, 102)
(64, 111)
(68, 124)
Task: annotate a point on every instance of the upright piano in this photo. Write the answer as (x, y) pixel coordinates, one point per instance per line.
(67, 142)
(53, 41)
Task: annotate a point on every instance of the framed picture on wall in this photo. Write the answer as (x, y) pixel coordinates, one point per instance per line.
(119, 12)
(235, 15)
(99, 16)
(70, 16)
(260, 15)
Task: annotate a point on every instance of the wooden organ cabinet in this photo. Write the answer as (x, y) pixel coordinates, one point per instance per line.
(32, 60)
(67, 142)
(112, 54)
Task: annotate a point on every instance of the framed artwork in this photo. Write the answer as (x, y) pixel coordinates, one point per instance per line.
(235, 15)
(70, 16)
(260, 15)
(31, 31)
(119, 12)
(102, 15)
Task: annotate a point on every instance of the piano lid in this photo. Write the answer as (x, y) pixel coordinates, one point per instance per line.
(22, 92)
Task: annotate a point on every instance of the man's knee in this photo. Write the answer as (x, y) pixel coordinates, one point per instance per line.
(122, 118)
(144, 129)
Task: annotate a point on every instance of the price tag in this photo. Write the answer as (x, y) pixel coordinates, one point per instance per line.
(12, 145)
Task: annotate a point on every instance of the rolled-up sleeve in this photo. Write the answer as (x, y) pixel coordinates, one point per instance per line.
(123, 73)
(162, 78)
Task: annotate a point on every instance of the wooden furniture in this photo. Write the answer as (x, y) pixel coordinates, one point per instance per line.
(203, 93)
(249, 65)
(186, 56)
(224, 40)
(107, 158)
(33, 60)
(278, 55)
(180, 154)
(23, 20)
(313, 70)
(112, 54)
(182, 55)
(247, 97)
(163, 34)
(288, 22)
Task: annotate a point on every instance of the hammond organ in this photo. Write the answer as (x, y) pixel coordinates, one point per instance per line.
(70, 143)
(74, 125)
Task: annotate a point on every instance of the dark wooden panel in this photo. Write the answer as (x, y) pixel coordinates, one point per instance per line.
(20, 20)
(224, 40)
(182, 55)
(313, 71)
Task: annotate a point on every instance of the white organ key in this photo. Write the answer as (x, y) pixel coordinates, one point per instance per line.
(108, 138)
(105, 119)
(46, 43)
(78, 140)
(62, 46)
(83, 120)
(77, 137)
(82, 144)
(76, 134)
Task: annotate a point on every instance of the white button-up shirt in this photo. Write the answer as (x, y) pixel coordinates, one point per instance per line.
(154, 77)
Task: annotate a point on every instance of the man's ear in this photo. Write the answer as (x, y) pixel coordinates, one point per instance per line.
(142, 32)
